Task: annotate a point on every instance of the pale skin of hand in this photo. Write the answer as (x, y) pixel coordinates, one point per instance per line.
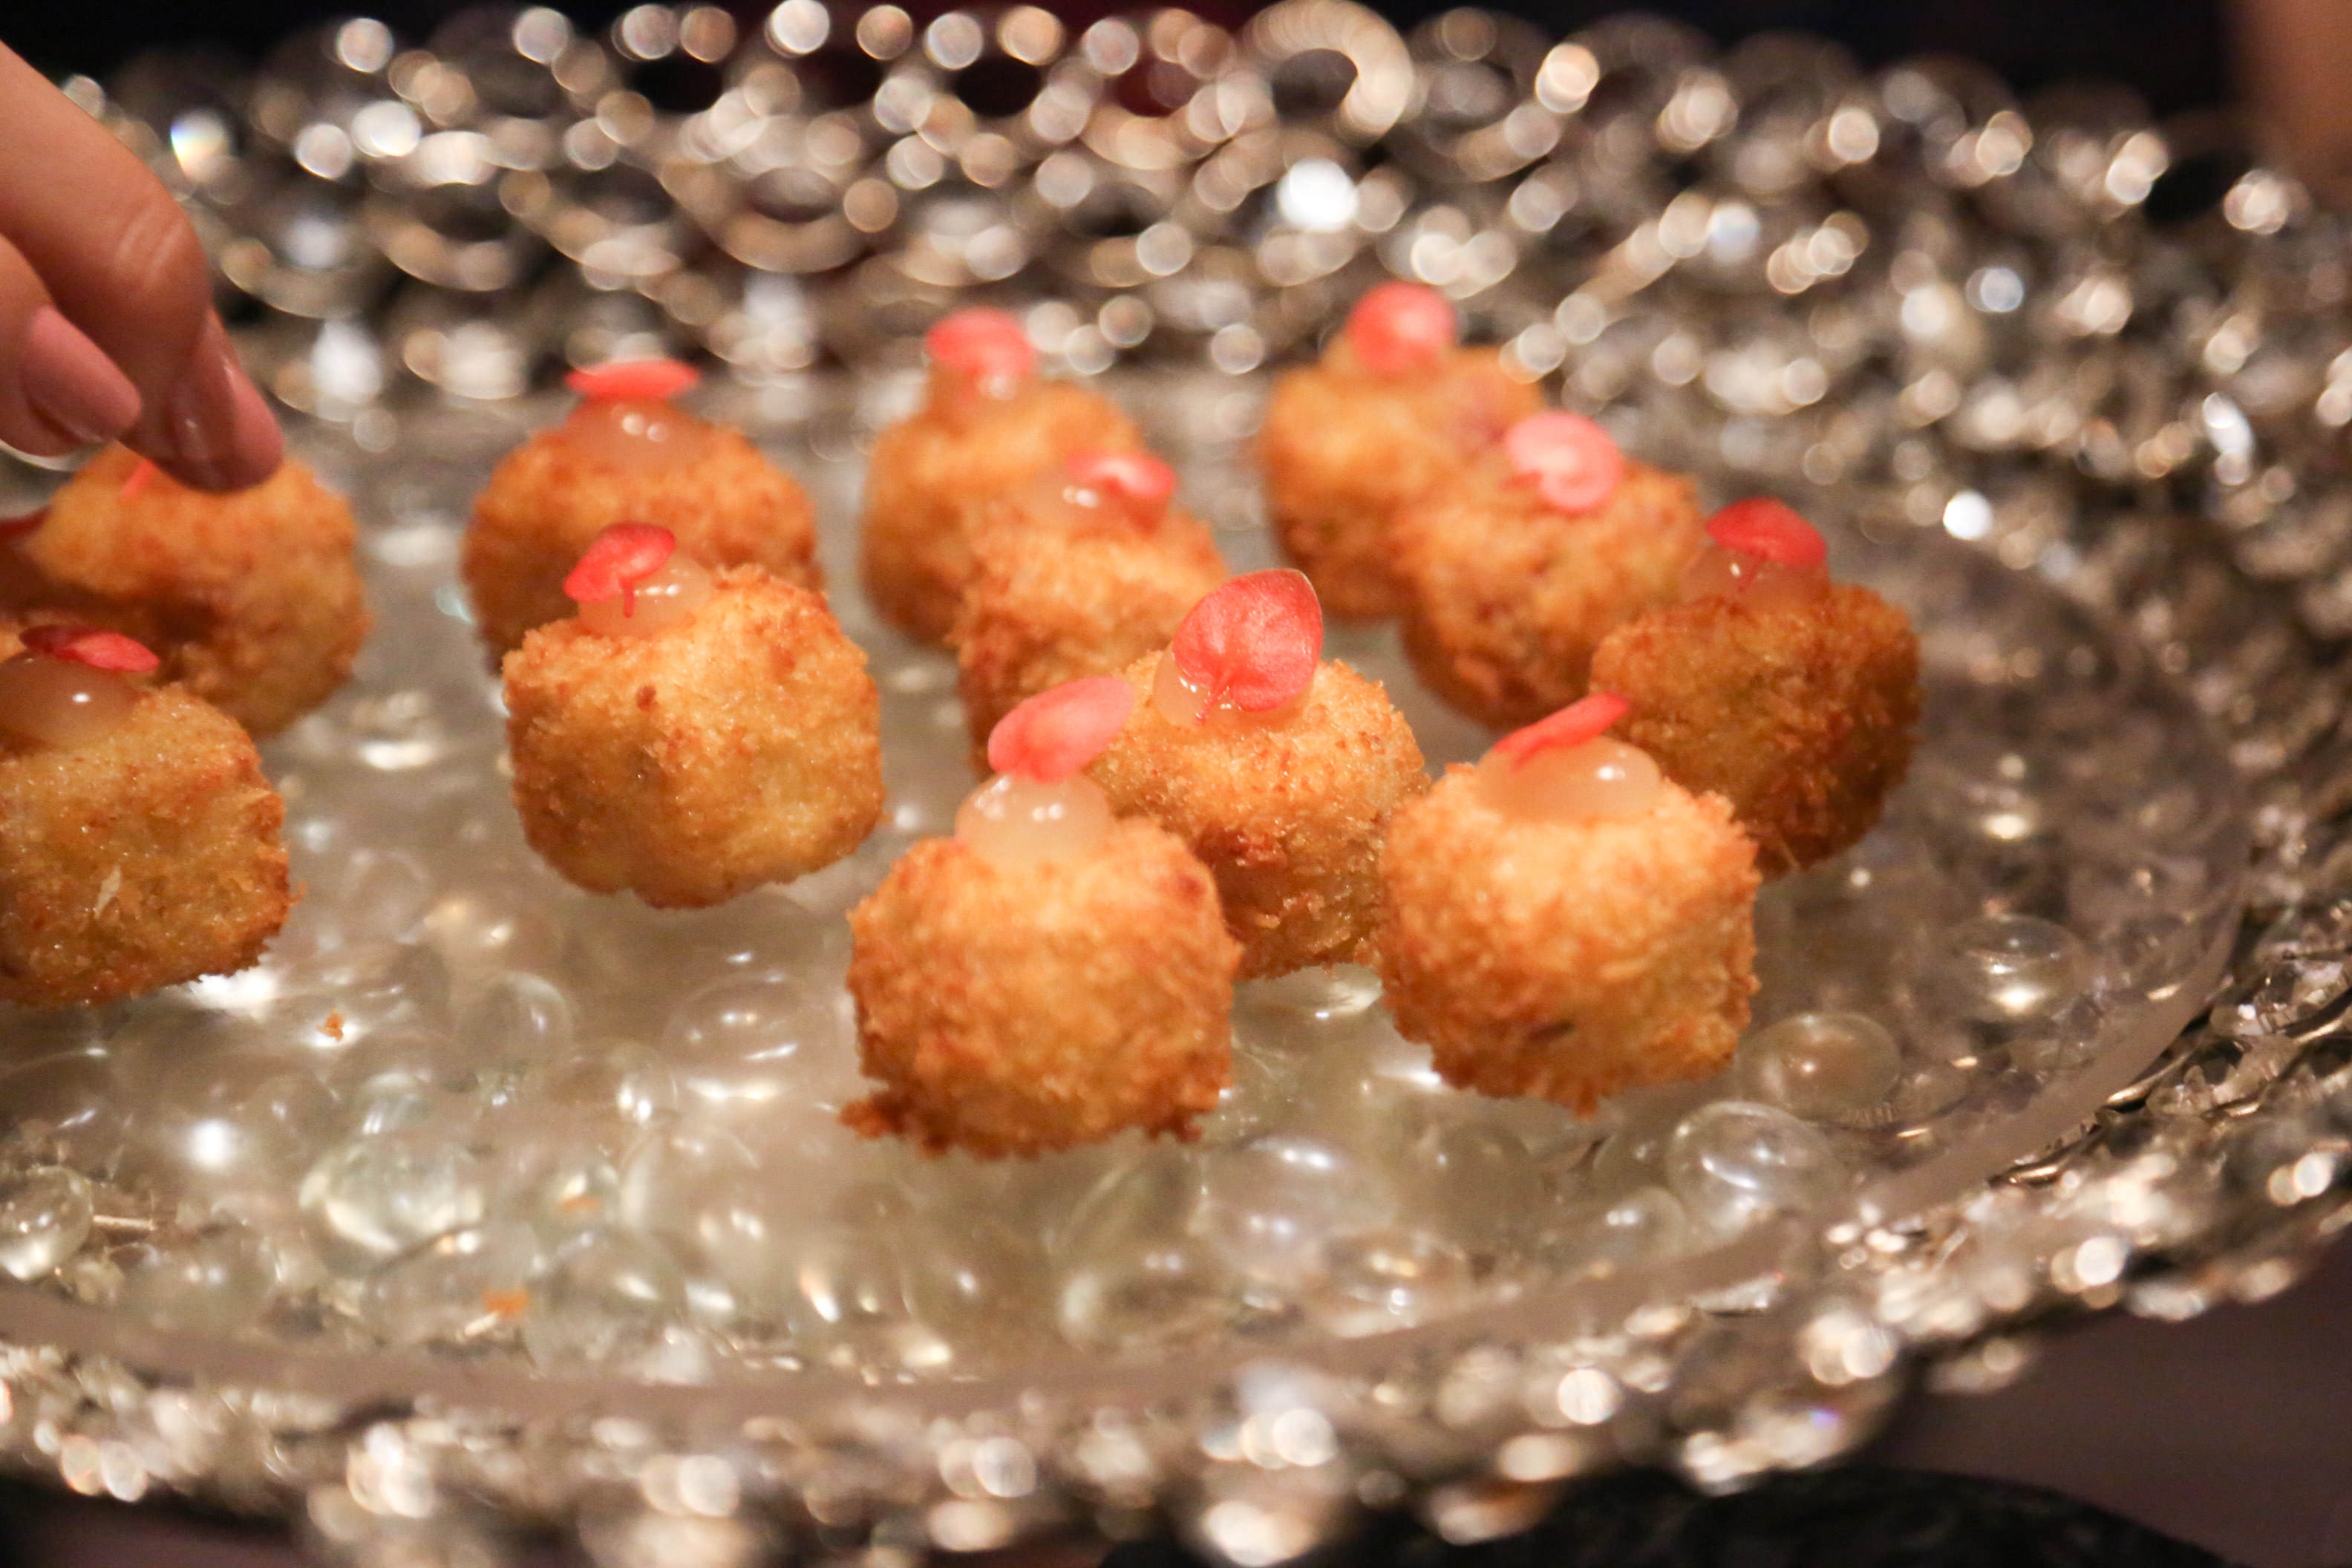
(106, 327)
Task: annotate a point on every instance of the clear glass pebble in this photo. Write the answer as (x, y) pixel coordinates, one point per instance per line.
(1836, 1067)
(1646, 1225)
(377, 1195)
(463, 1286)
(215, 1283)
(608, 1300)
(45, 1212)
(1270, 1204)
(1733, 1163)
(2007, 969)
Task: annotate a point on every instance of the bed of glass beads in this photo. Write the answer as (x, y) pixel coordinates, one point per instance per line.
(464, 1108)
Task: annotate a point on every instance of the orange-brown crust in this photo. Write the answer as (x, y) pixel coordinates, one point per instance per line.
(1343, 451)
(740, 747)
(1572, 961)
(1506, 598)
(141, 860)
(1802, 717)
(252, 600)
(929, 471)
(546, 503)
(1056, 595)
(1287, 811)
(1019, 1010)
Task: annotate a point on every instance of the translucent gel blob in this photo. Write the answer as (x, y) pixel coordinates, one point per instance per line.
(1601, 779)
(668, 598)
(1014, 821)
(1182, 702)
(57, 702)
(640, 435)
(1721, 573)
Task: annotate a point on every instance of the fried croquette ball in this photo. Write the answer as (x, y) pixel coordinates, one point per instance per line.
(690, 737)
(1562, 923)
(138, 841)
(1049, 976)
(989, 428)
(627, 454)
(1393, 407)
(1793, 698)
(1080, 574)
(252, 600)
(1280, 772)
(1516, 568)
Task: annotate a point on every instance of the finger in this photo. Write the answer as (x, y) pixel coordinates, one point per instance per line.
(57, 389)
(120, 262)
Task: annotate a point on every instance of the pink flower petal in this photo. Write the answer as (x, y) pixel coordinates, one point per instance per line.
(1570, 460)
(1137, 477)
(987, 345)
(623, 556)
(1253, 642)
(630, 380)
(1581, 721)
(1398, 328)
(1056, 734)
(1766, 529)
(81, 645)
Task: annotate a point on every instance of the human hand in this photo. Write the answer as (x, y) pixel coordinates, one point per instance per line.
(107, 330)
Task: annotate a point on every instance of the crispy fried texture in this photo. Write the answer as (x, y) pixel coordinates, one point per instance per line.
(743, 747)
(1343, 450)
(1801, 716)
(252, 600)
(1013, 1010)
(1059, 593)
(1506, 598)
(931, 469)
(1288, 810)
(141, 860)
(1568, 961)
(547, 502)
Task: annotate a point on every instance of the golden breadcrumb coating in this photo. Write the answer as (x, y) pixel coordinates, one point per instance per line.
(1801, 716)
(1343, 450)
(548, 500)
(931, 469)
(142, 859)
(1059, 593)
(252, 600)
(1015, 1010)
(1286, 809)
(1568, 961)
(741, 747)
(1506, 598)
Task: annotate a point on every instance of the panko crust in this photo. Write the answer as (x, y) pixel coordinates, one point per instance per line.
(740, 747)
(1016, 1010)
(1568, 961)
(1053, 600)
(1287, 811)
(930, 470)
(1802, 717)
(252, 600)
(141, 860)
(1343, 450)
(1506, 598)
(546, 503)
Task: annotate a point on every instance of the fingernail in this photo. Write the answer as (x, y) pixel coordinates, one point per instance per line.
(220, 432)
(70, 382)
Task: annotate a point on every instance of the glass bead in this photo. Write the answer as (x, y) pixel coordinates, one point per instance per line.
(45, 1214)
(1837, 1068)
(1734, 1162)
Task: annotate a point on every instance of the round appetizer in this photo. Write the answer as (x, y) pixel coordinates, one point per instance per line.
(1793, 697)
(1394, 407)
(1082, 574)
(1562, 921)
(689, 737)
(1517, 567)
(138, 841)
(988, 426)
(627, 454)
(1280, 770)
(250, 600)
(1050, 975)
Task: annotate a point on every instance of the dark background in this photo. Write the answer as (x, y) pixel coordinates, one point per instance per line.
(2172, 50)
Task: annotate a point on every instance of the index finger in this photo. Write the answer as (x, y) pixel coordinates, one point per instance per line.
(121, 262)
